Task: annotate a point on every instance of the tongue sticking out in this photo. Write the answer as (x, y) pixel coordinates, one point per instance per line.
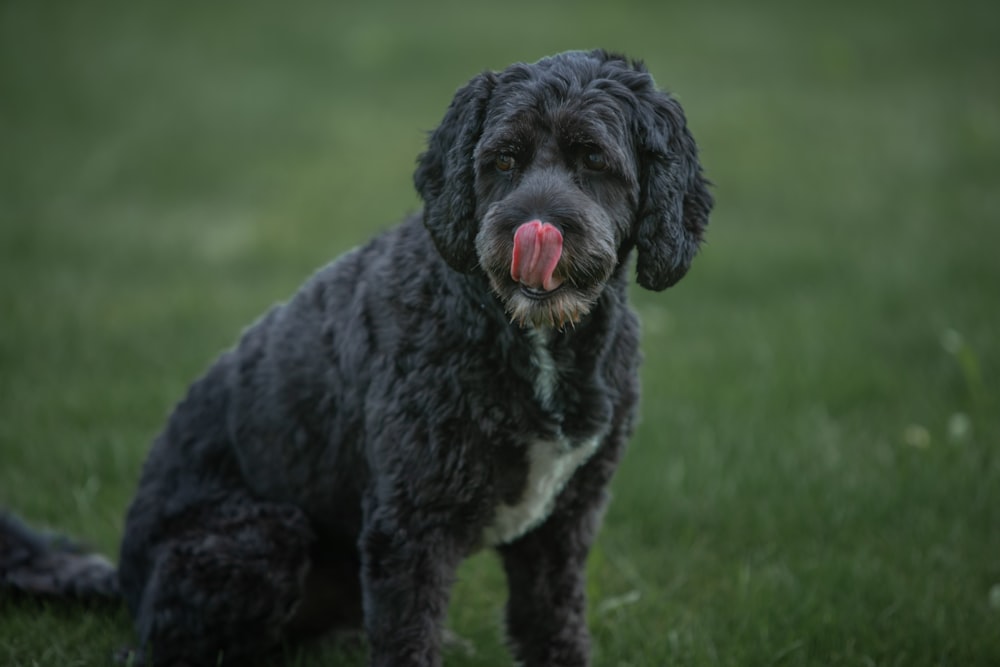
(537, 248)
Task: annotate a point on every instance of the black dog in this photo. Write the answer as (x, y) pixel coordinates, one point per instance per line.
(466, 380)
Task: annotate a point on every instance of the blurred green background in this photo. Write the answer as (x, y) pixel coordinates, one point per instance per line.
(816, 478)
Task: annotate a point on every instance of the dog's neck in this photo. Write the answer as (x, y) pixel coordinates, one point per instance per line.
(547, 374)
(595, 333)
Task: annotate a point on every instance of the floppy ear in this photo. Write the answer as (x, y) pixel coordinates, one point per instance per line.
(445, 175)
(675, 201)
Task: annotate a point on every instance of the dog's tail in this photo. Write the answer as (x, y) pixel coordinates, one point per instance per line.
(43, 565)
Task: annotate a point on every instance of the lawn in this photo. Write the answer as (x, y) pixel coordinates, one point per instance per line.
(816, 479)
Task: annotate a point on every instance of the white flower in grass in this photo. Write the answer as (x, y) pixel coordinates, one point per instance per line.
(959, 427)
(917, 436)
(994, 597)
(952, 341)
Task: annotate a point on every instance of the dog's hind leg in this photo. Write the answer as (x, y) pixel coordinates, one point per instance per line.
(220, 583)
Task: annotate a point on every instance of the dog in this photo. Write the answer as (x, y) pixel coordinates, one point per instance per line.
(466, 380)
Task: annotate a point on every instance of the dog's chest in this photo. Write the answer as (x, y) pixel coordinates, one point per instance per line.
(550, 463)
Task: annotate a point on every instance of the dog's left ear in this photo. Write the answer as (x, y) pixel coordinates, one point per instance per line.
(445, 175)
(675, 201)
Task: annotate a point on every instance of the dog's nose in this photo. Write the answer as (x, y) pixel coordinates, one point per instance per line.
(537, 249)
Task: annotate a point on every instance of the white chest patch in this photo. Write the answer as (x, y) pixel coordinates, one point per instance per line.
(550, 462)
(550, 465)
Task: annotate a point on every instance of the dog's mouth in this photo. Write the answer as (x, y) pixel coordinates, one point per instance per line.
(541, 282)
(537, 294)
(540, 289)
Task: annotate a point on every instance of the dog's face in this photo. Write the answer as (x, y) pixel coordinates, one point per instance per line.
(545, 176)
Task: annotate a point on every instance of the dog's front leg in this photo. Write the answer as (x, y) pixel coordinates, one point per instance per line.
(546, 610)
(408, 568)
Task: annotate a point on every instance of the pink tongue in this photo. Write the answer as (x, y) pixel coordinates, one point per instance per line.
(537, 248)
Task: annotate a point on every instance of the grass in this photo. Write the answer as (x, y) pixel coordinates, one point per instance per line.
(816, 480)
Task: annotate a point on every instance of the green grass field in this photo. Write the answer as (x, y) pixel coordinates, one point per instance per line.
(816, 479)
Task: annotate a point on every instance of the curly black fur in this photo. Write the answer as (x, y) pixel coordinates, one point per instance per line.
(412, 403)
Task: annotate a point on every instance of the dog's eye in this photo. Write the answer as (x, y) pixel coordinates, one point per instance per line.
(595, 160)
(504, 162)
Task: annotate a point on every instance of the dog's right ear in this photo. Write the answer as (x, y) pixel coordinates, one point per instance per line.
(445, 175)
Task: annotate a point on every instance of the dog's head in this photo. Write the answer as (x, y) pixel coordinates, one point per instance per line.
(545, 176)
